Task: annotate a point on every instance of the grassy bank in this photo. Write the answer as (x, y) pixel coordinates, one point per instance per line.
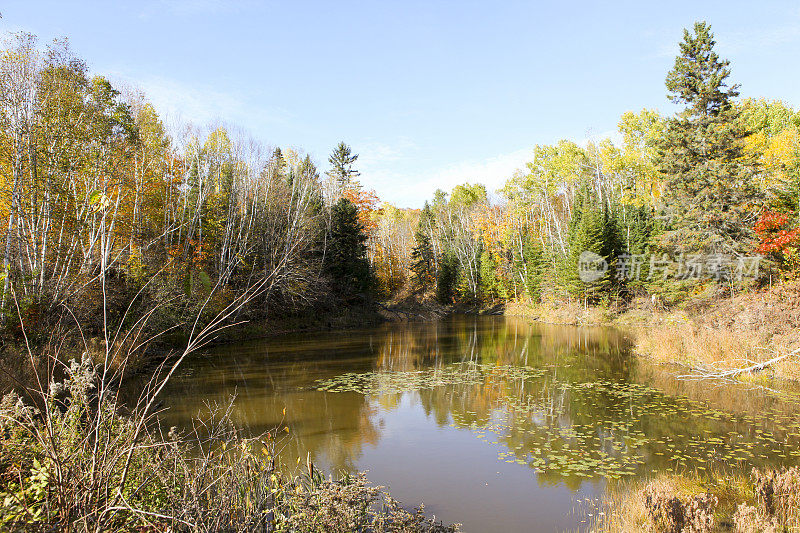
(709, 335)
(731, 333)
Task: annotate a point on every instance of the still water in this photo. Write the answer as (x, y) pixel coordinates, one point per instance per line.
(493, 422)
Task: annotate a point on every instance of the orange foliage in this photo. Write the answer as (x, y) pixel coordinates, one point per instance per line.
(775, 234)
(367, 203)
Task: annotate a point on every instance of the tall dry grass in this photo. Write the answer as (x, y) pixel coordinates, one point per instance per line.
(71, 461)
(689, 344)
(766, 501)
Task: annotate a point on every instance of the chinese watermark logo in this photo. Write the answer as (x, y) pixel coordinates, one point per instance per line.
(591, 266)
(720, 267)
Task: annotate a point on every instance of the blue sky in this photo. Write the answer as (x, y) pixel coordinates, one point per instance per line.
(429, 93)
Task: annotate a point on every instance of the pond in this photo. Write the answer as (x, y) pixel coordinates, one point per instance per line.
(494, 422)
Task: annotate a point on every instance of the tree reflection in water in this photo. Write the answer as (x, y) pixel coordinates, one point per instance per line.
(569, 403)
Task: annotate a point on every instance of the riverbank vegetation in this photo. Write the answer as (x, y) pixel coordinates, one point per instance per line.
(103, 201)
(72, 462)
(764, 502)
(121, 233)
(104, 207)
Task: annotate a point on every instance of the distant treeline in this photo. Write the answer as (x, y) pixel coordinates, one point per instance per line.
(696, 205)
(100, 203)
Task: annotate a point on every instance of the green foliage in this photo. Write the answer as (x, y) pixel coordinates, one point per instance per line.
(530, 267)
(711, 197)
(342, 161)
(593, 229)
(447, 278)
(422, 255)
(346, 257)
(491, 284)
(467, 195)
(639, 229)
(771, 117)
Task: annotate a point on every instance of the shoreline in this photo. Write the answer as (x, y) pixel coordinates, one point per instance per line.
(709, 338)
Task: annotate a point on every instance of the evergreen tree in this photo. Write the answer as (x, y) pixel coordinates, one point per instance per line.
(346, 257)
(447, 278)
(422, 255)
(342, 160)
(277, 164)
(593, 232)
(640, 229)
(710, 197)
(308, 173)
(531, 265)
(491, 284)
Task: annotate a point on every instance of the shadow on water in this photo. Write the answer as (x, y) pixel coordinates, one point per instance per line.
(493, 422)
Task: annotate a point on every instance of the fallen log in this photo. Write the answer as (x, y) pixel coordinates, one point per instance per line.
(711, 372)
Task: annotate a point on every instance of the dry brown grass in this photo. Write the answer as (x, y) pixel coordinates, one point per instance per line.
(672, 503)
(766, 501)
(694, 344)
(727, 333)
(685, 342)
(552, 312)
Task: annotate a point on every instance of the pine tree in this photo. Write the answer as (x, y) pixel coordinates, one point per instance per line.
(342, 160)
(422, 255)
(710, 198)
(346, 257)
(639, 232)
(593, 229)
(491, 284)
(447, 278)
(531, 264)
(277, 164)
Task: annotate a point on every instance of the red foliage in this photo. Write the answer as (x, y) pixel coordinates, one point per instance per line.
(774, 233)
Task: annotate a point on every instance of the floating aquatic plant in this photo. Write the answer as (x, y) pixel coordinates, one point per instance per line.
(590, 429)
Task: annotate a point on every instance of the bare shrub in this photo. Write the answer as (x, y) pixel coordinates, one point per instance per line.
(777, 502)
(672, 514)
(79, 465)
(75, 463)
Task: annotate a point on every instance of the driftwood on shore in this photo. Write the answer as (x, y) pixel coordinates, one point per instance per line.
(712, 372)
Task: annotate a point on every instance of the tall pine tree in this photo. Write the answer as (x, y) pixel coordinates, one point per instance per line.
(346, 258)
(342, 161)
(422, 255)
(593, 228)
(711, 199)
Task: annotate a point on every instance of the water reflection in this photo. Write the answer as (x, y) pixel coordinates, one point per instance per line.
(475, 408)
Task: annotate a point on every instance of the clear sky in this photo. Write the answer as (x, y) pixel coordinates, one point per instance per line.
(429, 93)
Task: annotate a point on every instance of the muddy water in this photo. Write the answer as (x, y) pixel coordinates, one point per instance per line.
(493, 422)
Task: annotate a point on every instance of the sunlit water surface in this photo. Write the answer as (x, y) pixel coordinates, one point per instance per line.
(493, 422)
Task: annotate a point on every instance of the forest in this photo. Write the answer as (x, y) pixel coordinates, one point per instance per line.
(101, 202)
(130, 241)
